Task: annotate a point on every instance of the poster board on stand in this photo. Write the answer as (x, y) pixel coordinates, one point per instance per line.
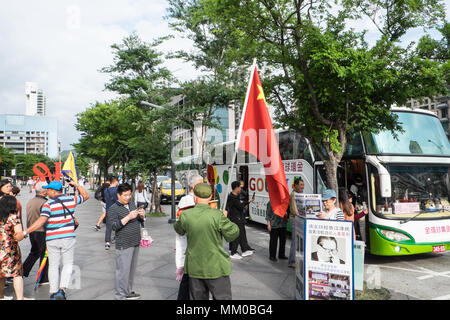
(327, 260)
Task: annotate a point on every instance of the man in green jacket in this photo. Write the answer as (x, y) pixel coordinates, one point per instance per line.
(207, 263)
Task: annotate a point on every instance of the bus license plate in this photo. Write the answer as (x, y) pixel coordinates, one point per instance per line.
(437, 249)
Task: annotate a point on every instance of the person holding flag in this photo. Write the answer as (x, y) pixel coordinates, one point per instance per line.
(57, 215)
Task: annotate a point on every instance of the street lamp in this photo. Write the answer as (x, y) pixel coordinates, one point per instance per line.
(15, 171)
(172, 166)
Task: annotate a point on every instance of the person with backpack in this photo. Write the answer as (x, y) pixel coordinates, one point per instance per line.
(100, 196)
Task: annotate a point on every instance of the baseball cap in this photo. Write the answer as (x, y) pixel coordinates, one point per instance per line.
(40, 186)
(328, 194)
(203, 190)
(55, 185)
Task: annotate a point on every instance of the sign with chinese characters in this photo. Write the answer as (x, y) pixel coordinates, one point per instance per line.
(328, 260)
(293, 166)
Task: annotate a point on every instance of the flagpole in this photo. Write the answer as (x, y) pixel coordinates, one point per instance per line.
(238, 137)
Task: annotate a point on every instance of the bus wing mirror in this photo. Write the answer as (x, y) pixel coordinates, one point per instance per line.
(385, 185)
(385, 177)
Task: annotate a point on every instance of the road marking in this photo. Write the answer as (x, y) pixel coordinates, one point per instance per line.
(428, 273)
(447, 297)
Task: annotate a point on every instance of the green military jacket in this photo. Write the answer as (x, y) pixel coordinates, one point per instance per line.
(204, 228)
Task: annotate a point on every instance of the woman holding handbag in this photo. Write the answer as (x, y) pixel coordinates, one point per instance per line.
(140, 196)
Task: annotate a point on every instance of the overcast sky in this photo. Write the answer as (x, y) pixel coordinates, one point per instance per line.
(61, 45)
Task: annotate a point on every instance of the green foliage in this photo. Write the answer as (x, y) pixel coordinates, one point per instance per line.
(136, 72)
(23, 163)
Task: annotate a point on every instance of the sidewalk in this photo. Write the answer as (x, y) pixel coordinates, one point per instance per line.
(253, 277)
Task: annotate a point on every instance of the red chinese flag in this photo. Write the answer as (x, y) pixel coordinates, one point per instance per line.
(258, 138)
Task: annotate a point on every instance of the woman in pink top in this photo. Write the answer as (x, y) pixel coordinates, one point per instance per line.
(347, 207)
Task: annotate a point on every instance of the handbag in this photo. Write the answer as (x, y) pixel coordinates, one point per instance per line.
(146, 239)
(75, 222)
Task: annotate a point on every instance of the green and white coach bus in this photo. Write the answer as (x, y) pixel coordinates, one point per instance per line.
(403, 184)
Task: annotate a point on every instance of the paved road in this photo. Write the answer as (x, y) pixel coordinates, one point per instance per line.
(413, 277)
(421, 277)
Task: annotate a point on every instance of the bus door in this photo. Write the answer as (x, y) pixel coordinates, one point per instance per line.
(320, 177)
(243, 175)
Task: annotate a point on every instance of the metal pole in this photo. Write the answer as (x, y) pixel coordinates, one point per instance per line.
(172, 171)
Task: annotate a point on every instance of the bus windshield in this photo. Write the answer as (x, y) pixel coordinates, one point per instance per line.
(416, 189)
(423, 135)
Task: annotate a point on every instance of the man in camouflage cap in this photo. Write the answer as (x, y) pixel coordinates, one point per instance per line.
(207, 263)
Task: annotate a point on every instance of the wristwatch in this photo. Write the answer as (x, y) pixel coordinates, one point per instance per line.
(25, 234)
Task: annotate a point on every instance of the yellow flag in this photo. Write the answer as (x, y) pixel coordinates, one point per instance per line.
(70, 169)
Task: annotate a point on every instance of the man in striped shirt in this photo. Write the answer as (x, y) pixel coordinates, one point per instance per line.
(57, 215)
(126, 220)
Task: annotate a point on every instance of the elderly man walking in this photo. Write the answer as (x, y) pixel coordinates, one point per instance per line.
(207, 263)
(37, 238)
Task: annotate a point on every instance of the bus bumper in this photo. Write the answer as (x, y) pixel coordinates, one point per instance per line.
(381, 246)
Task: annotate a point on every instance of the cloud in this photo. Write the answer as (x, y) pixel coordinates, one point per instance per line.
(62, 46)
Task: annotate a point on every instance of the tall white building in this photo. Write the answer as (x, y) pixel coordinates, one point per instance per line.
(36, 103)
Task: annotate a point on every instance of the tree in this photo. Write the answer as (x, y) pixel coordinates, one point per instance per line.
(138, 76)
(100, 127)
(222, 82)
(137, 72)
(323, 77)
(8, 160)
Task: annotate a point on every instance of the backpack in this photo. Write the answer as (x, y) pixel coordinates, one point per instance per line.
(99, 195)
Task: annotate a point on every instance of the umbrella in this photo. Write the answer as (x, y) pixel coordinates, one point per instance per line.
(41, 270)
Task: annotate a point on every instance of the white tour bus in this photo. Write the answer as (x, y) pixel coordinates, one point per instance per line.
(403, 183)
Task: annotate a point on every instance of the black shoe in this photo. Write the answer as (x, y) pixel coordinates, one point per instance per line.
(273, 259)
(133, 296)
(283, 258)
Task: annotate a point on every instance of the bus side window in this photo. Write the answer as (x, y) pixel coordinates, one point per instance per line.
(286, 145)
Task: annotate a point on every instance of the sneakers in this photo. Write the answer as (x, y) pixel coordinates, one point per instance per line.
(6, 298)
(247, 253)
(97, 228)
(133, 296)
(236, 256)
(60, 295)
(107, 246)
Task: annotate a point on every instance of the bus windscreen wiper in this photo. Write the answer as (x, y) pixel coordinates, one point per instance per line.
(407, 220)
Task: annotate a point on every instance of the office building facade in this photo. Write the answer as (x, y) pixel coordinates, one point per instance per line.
(29, 134)
(36, 101)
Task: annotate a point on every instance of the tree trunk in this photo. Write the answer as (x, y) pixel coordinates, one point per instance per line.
(155, 193)
(331, 171)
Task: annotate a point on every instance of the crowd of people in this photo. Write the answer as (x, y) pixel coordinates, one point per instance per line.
(50, 227)
(203, 265)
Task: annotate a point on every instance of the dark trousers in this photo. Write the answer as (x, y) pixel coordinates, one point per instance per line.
(275, 234)
(220, 288)
(240, 241)
(183, 291)
(38, 246)
(108, 230)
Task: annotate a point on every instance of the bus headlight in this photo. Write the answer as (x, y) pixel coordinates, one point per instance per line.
(394, 235)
